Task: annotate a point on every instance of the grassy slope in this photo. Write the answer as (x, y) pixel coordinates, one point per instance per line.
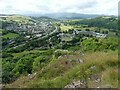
(19, 19)
(10, 35)
(58, 74)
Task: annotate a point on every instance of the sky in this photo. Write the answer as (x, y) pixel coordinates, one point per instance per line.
(106, 7)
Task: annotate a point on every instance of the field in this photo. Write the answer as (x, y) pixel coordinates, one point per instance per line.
(19, 19)
(66, 38)
(10, 35)
(65, 28)
(0, 31)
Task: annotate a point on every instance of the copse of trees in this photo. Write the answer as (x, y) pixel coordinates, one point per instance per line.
(105, 32)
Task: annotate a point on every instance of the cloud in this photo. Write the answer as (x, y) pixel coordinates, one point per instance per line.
(51, 6)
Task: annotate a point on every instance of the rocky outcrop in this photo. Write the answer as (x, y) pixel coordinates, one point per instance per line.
(31, 76)
(77, 84)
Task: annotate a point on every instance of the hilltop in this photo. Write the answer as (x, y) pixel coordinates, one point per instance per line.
(67, 15)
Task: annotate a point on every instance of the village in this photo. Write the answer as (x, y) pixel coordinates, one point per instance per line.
(32, 28)
(36, 29)
(43, 29)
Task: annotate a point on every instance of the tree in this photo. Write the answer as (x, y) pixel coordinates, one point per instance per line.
(87, 29)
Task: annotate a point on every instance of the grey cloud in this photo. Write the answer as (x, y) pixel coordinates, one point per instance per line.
(88, 5)
(48, 6)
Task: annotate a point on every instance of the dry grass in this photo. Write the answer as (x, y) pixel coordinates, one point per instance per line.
(110, 77)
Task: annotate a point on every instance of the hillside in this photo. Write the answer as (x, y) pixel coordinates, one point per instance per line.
(68, 15)
(17, 18)
(101, 22)
(92, 69)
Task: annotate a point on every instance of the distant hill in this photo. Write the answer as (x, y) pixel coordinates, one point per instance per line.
(59, 15)
(44, 18)
(67, 15)
(24, 19)
(109, 22)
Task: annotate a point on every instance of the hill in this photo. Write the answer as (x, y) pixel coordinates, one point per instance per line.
(109, 22)
(68, 15)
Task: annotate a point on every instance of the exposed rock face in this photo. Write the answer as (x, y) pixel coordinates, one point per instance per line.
(77, 84)
(1, 86)
(31, 76)
(77, 61)
(95, 77)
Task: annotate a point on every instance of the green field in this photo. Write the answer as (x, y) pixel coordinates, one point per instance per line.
(0, 31)
(10, 35)
(78, 27)
(65, 28)
(66, 39)
(19, 19)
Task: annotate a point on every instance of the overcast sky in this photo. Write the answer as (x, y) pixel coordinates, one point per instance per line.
(107, 7)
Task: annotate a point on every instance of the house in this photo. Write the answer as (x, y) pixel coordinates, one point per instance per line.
(100, 35)
(38, 35)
